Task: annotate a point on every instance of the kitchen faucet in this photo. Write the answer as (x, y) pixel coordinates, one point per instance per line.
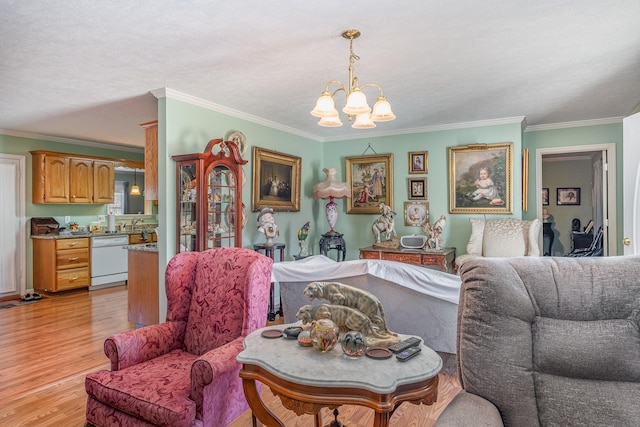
(134, 221)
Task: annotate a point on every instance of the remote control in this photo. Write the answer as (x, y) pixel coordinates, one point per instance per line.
(408, 354)
(403, 345)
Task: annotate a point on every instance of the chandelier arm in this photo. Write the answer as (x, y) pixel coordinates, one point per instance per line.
(373, 85)
(338, 82)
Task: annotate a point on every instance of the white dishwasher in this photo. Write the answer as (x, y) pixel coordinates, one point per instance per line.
(109, 264)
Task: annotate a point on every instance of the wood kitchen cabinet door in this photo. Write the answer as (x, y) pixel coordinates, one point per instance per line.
(81, 181)
(103, 181)
(50, 179)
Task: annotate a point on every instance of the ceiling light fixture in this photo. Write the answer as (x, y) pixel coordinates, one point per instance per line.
(357, 105)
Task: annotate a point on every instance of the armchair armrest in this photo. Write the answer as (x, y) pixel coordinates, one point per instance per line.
(213, 372)
(469, 410)
(133, 347)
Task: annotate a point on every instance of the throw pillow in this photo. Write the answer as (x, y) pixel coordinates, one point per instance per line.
(505, 238)
(474, 246)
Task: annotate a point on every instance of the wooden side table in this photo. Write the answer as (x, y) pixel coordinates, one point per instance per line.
(330, 241)
(443, 259)
(269, 250)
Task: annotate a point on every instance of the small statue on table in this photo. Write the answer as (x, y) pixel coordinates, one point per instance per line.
(303, 233)
(435, 241)
(385, 225)
(267, 225)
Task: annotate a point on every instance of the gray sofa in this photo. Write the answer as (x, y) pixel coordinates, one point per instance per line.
(546, 341)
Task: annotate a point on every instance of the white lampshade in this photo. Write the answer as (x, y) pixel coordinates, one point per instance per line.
(330, 122)
(382, 111)
(363, 121)
(325, 107)
(356, 103)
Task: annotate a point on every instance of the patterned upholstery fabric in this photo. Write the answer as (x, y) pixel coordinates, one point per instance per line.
(505, 237)
(545, 341)
(184, 372)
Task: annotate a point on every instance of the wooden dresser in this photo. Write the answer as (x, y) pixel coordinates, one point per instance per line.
(442, 259)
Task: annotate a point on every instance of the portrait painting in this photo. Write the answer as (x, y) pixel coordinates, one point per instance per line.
(371, 181)
(416, 214)
(276, 181)
(480, 178)
(418, 161)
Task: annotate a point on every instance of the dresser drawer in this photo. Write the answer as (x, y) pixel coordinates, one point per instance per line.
(62, 244)
(73, 278)
(72, 258)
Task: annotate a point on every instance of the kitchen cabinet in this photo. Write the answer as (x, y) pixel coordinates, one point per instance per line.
(65, 178)
(135, 239)
(143, 288)
(209, 208)
(61, 264)
(150, 160)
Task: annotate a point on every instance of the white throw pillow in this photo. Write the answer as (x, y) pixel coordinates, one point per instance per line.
(474, 246)
(506, 238)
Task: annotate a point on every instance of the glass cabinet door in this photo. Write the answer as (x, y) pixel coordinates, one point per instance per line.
(188, 208)
(221, 199)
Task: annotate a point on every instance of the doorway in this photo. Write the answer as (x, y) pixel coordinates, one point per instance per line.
(12, 225)
(591, 170)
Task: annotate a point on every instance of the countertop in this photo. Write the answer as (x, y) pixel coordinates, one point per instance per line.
(76, 234)
(145, 247)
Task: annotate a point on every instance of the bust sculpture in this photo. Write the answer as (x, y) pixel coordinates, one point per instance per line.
(267, 225)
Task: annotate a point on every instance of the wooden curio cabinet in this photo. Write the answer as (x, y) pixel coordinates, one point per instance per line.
(209, 197)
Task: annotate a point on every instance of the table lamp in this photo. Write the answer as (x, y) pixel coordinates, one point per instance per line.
(331, 188)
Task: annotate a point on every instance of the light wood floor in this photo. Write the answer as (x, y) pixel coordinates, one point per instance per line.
(48, 347)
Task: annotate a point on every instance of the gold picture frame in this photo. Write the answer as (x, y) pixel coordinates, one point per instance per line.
(276, 181)
(418, 162)
(480, 178)
(371, 181)
(416, 214)
(417, 188)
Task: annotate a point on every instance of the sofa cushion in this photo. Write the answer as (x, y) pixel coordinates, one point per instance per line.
(156, 390)
(474, 246)
(606, 350)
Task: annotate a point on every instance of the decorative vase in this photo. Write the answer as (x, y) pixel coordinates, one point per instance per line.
(353, 344)
(324, 334)
(331, 211)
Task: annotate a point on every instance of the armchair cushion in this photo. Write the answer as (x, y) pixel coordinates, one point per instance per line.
(165, 403)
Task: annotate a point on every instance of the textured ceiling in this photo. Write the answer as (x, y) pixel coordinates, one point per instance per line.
(84, 70)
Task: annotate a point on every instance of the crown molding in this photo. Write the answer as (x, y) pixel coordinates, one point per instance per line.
(199, 102)
(579, 123)
(83, 142)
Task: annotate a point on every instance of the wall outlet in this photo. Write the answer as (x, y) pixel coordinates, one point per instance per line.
(102, 218)
(67, 219)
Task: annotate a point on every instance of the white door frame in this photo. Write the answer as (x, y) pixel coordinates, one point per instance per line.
(609, 187)
(19, 220)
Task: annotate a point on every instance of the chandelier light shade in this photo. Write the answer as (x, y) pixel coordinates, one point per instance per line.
(356, 105)
(331, 188)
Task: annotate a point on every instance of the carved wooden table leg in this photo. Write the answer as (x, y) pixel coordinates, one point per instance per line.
(257, 405)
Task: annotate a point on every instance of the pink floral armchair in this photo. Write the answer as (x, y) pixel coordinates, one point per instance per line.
(184, 372)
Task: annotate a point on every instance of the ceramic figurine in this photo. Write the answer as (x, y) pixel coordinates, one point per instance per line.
(303, 233)
(267, 225)
(385, 224)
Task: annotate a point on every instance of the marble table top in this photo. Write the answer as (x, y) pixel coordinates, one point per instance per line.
(288, 360)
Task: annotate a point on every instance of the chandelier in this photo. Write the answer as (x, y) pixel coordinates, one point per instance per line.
(356, 105)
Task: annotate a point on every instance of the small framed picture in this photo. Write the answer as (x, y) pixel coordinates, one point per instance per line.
(418, 161)
(568, 196)
(416, 213)
(417, 188)
(545, 197)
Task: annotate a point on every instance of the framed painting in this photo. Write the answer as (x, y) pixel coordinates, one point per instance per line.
(417, 188)
(371, 181)
(416, 214)
(276, 181)
(545, 197)
(418, 161)
(480, 178)
(568, 196)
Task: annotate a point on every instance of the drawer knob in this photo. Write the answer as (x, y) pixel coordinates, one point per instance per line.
(73, 279)
(75, 258)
